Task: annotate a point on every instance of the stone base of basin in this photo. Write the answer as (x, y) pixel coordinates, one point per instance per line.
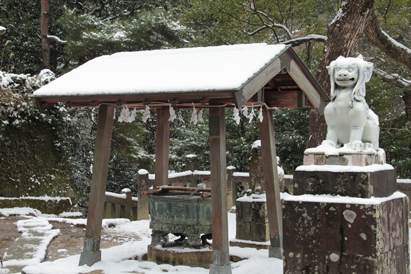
(178, 255)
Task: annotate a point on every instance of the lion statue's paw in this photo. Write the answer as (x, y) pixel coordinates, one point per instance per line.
(356, 145)
(369, 146)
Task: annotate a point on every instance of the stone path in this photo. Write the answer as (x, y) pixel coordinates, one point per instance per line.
(31, 247)
(30, 241)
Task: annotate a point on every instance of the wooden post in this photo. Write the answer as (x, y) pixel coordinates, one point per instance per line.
(91, 252)
(218, 164)
(143, 185)
(129, 197)
(162, 147)
(272, 184)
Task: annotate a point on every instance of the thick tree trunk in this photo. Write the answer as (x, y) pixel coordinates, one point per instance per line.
(342, 39)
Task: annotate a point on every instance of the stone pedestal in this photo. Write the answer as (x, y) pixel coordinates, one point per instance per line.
(365, 182)
(252, 222)
(345, 219)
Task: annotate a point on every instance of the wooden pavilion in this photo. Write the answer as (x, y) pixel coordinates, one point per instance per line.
(210, 77)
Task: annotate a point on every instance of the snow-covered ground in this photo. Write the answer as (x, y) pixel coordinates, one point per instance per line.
(117, 259)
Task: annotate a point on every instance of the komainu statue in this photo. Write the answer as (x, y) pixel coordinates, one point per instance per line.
(350, 122)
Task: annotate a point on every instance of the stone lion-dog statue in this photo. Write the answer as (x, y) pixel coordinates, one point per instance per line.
(349, 120)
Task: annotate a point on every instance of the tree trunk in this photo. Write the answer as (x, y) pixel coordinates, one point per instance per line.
(44, 31)
(407, 100)
(342, 39)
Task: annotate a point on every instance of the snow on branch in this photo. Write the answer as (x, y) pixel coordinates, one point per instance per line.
(2, 30)
(393, 78)
(58, 40)
(301, 40)
(397, 44)
(386, 43)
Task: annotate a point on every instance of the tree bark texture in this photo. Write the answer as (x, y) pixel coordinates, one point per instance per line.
(44, 31)
(342, 39)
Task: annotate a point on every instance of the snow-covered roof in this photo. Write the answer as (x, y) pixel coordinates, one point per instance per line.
(211, 70)
(161, 71)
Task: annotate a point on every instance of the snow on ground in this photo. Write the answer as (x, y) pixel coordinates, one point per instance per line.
(127, 258)
(37, 234)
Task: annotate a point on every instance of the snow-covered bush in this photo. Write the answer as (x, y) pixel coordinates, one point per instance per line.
(30, 151)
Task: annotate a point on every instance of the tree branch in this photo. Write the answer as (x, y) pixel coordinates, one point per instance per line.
(393, 78)
(261, 16)
(58, 40)
(301, 40)
(386, 43)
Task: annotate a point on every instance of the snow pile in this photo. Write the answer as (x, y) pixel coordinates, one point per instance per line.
(19, 211)
(71, 215)
(337, 168)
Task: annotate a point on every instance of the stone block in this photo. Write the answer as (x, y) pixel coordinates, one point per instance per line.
(259, 232)
(361, 184)
(345, 158)
(259, 212)
(243, 230)
(244, 211)
(346, 235)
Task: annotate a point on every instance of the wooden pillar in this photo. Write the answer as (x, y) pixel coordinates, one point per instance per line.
(272, 184)
(218, 164)
(162, 147)
(91, 251)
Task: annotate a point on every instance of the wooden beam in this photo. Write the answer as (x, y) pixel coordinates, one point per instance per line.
(91, 251)
(272, 184)
(221, 256)
(162, 147)
(257, 83)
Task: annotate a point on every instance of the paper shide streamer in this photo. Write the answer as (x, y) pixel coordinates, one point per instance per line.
(126, 115)
(173, 115)
(146, 114)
